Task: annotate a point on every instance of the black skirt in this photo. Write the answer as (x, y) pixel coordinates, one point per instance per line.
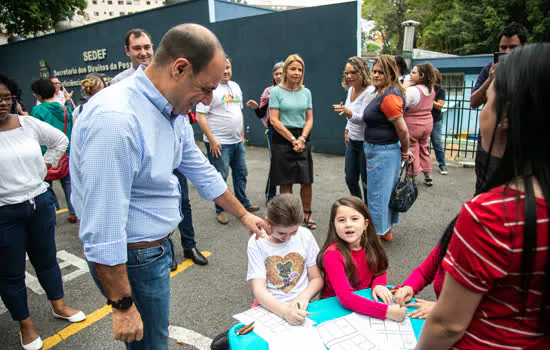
(289, 167)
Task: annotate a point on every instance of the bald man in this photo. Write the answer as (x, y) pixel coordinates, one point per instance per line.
(126, 145)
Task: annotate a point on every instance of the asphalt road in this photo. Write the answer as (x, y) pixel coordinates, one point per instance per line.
(203, 299)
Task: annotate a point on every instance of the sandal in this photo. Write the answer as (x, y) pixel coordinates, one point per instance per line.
(428, 181)
(312, 225)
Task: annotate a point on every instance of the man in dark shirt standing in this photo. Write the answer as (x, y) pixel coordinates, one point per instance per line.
(512, 36)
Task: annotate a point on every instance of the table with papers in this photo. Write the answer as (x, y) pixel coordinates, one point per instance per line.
(346, 330)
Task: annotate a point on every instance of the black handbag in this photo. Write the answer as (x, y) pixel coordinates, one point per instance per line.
(405, 192)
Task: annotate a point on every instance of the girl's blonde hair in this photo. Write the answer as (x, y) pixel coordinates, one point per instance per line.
(362, 69)
(391, 76)
(285, 210)
(376, 256)
(91, 84)
(290, 59)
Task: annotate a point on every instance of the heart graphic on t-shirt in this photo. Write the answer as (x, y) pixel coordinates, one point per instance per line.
(285, 272)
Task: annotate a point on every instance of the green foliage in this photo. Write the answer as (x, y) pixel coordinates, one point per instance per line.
(29, 17)
(373, 48)
(457, 26)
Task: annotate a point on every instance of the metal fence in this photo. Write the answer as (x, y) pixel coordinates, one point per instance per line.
(460, 123)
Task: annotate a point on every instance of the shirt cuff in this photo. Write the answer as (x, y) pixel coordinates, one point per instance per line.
(214, 190)
(110, 254)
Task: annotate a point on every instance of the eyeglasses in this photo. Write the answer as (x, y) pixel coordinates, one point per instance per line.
(7, 99)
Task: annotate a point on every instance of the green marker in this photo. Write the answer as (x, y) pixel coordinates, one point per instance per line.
(299, 308)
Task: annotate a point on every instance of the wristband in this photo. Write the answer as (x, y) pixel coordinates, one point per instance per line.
(302, 138)
(241, 216)
(292, 139)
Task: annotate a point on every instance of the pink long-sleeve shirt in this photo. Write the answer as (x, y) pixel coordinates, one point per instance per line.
(336, 283)
(430, 271)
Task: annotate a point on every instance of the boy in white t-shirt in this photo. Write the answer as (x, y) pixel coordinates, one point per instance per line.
(282, 268)
(222, 125)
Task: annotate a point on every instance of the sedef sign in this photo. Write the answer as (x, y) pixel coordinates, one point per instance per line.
(94, 55)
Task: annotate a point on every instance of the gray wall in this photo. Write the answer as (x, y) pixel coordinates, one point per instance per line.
(255, 43)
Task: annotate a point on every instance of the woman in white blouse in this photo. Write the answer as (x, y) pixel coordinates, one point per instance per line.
(358, 81)
(27, 214)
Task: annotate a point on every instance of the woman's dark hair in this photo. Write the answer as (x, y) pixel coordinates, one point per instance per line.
(401, 65)
(438, 77)
(43, 87)
(521, 94)
(376, 256)
(427, 75)
(14, 90)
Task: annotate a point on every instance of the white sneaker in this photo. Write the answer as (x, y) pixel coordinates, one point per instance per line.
(443, 170)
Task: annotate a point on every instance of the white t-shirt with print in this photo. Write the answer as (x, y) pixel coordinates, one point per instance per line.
(224, 114)
(283, 265)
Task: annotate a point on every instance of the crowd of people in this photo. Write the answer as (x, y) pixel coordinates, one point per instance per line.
(492, 256)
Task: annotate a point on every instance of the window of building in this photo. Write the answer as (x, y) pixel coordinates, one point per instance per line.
(94, 2)
(110, 2)
(96, 14)
(148, 2)
(453, 82)
(111, 13)
(137, 2)
(128, 2)
(121, 2)
(123, 13)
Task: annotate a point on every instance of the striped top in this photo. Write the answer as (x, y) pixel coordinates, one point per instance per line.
(484, 255)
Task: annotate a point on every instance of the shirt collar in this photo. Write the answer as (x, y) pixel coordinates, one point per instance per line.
(145, 85)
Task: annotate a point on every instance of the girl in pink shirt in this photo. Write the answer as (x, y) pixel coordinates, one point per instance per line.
(352, 259)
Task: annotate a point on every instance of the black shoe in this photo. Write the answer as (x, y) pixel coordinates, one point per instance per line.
(220, 342)
(174, 265)
(195, 255)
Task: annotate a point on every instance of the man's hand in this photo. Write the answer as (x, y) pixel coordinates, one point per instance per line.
(254, 224)
(492, 71)
(215, 149)
(127, 325)
(252, 104)
(48, 166)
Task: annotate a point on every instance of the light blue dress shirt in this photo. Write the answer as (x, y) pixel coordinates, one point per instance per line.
(125, 146)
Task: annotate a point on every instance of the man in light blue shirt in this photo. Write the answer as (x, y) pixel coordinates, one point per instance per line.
(127, 142)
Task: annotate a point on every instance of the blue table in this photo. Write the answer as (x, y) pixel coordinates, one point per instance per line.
(321, 311)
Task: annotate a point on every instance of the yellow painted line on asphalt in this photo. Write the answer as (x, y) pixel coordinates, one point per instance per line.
(62, 211)
(98, 314)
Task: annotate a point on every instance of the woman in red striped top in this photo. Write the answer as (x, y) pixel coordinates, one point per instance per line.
(496, 293)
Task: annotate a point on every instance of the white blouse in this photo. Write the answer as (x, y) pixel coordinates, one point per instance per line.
(22, 166)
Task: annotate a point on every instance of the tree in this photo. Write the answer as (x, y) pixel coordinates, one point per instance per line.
(471, 26)
(388, 16)
(30, 17)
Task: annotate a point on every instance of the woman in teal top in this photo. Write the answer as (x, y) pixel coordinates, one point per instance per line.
(53, 113)
(291, 115)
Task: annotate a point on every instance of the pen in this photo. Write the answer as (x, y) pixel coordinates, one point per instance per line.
(299, 308)
(243, 328)
(248, 330)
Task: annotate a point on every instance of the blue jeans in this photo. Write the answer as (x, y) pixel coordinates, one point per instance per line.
(149, 276)
(66, 185)
(28, 227)
(186, 225)
(233, 156)
(270, 190)
(355, 169)
(437, 143)
(383, 166)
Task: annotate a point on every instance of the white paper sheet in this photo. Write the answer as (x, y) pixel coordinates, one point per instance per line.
(298, 338)
(344, 334)
(386, 334)
(268, 325)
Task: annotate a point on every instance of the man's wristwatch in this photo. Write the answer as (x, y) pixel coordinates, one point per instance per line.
(292, 139)
(302, 138)
(121, 304)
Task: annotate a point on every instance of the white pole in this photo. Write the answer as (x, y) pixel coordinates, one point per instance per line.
(212, 11)
(359, 28)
